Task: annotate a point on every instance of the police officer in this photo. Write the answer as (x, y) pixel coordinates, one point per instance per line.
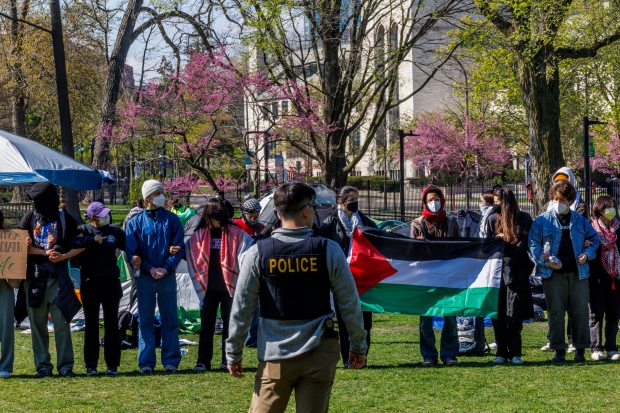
(291, 274)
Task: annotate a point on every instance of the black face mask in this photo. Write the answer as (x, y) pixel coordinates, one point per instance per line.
(497, 208)
(353, 206)
(219, 215)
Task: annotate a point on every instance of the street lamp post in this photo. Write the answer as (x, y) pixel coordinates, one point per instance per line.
(586, 159)
(401, 143)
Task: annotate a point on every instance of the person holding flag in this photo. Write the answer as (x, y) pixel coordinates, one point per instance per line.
(339, 227)
(436, 224)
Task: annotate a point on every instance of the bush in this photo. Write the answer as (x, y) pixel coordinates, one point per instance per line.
(374, 183)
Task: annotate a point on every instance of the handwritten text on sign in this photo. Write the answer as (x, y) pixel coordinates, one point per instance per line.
(13, 253)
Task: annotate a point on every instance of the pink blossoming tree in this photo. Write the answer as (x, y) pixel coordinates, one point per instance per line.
(469, 150)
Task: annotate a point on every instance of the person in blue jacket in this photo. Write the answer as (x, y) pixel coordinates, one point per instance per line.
(155, 244)
(561, 242)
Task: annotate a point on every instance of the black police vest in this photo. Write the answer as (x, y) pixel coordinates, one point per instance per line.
(294, 282)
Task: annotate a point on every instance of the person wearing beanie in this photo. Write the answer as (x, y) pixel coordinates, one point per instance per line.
(48, 287)
(100, 286)
(154, 243)
(433, 224)
(250, 210)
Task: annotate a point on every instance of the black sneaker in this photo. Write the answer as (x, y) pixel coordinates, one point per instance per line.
(91, 372)
(147, 371)
(429, 362)
(450, 361)
(111, 372)
(41, 373)
(67, 373)
(560, 356)
(200, 367)
(580, 355)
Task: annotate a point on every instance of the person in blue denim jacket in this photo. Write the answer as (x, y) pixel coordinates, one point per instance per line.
(572, 242)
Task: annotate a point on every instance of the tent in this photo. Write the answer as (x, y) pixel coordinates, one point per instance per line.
(24, 161)
(325, 198)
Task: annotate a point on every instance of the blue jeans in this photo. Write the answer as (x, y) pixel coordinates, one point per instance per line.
(164, 292)
(449, 338)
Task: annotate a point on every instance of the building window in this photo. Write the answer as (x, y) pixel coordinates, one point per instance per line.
(284, 107)
(274, 110)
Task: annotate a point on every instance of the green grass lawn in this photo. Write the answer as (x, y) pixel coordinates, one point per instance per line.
(393, 382)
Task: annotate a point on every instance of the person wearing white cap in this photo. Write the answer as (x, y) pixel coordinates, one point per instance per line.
(155, 244)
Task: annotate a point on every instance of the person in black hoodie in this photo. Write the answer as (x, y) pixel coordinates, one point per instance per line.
(48, 287)
(339, 227)
(100, 286)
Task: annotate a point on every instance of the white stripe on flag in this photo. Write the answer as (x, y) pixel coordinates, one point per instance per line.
(456, 273)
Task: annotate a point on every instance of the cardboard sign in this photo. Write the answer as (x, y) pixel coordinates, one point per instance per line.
(13, 253)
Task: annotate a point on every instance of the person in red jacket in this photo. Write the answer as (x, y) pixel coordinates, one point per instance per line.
(250, 210)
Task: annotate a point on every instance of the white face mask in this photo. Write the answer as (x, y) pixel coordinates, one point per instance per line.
(434, 206)
(560, 208)
(159, 201)
(104, 221)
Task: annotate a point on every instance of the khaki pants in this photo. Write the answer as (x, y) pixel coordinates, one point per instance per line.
(311, 375)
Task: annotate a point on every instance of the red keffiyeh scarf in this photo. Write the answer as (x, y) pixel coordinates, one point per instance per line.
(610, 258)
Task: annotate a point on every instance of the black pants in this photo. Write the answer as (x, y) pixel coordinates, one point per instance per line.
(101, 292)
(208, 314)
(507, 330)
(508, 338)
(604, 306)
(343, 334)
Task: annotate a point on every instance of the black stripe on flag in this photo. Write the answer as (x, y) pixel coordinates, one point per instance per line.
(399, 247)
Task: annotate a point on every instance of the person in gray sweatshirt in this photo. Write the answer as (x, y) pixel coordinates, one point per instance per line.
(292, 274)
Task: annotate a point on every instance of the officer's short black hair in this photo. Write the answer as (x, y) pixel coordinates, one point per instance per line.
(292, 197)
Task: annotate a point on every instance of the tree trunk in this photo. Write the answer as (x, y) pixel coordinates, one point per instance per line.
(540, 86)
(18, 102)
(62, 89)
(123, 42)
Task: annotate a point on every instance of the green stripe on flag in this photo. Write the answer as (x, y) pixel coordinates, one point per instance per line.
(431, 301)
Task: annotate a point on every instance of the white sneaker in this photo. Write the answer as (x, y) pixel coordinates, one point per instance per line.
(546, 347)
(613, 355)
(5, 374)
(499, 360)
(571, 348)
(517, 360)
(597, 356)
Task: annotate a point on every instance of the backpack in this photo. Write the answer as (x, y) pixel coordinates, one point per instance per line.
(128, 330)
(472, 341)
(469, 223)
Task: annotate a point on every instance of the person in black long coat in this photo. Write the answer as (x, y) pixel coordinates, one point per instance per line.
(339, 227)
(515, 298)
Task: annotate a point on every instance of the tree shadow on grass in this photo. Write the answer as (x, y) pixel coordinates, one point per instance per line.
(486, 365)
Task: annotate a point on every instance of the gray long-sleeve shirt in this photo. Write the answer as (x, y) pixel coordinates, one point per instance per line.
(283, 339)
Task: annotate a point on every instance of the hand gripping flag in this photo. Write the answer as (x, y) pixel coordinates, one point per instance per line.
(447, 277)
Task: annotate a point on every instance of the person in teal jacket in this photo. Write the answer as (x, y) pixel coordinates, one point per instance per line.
(155, 244)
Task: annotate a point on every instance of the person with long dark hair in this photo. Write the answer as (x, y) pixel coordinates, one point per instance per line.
(512, 226)
(339, 227)
(604, 281)
(213, 260)
(434, 224)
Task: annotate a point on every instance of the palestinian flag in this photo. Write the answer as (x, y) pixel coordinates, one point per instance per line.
(448, 277)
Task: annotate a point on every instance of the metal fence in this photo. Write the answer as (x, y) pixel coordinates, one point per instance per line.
(13, 212)
(383, 201)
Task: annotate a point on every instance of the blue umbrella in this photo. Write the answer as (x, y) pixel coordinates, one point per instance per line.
(24, 161)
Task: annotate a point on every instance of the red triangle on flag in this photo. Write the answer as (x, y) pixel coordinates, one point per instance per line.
(368, 265)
